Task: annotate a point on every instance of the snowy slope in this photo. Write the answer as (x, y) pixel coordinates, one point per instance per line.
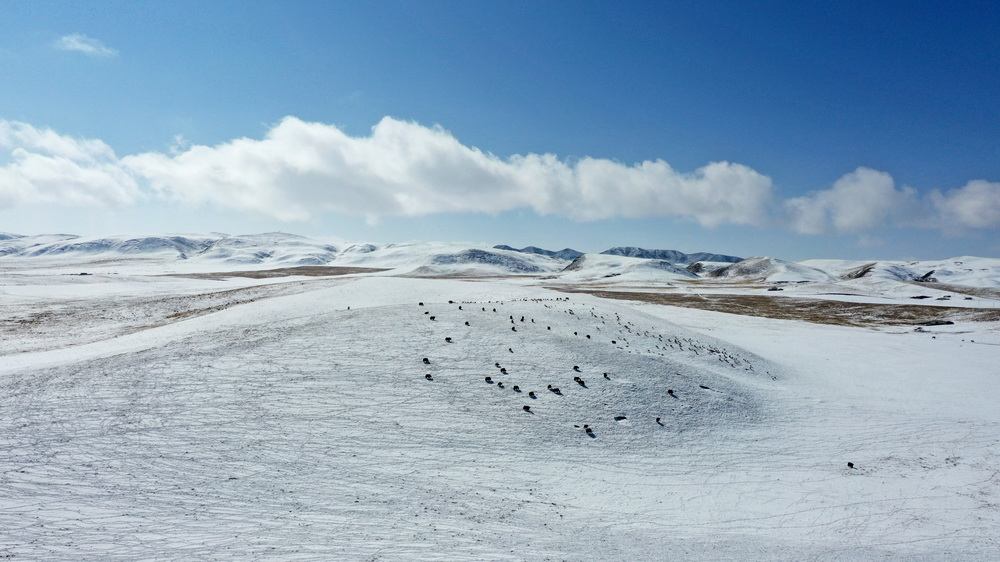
(150, 417)
(270, 248)
(966, 270)
(275, 248)
(603, 268)
(772, 270)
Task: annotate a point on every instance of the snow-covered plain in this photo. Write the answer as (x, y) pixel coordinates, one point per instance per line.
(190, 415)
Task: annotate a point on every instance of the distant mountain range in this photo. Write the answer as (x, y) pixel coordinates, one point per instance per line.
(671, 256)
(564, 254)
(214, 251)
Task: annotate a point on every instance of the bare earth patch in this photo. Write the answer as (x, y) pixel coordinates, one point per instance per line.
(810, 310)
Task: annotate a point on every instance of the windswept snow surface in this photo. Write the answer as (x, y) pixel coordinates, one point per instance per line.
(152, 417)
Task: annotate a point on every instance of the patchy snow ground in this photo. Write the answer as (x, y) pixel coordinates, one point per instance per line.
(164, 417)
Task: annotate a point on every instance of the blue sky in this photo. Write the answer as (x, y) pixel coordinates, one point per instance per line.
(791, 129)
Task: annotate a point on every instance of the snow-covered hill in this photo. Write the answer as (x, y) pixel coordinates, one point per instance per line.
(222, 251)
(392, 417)
(966, 270)
(604, 268)
(772, 270)
(268, 248)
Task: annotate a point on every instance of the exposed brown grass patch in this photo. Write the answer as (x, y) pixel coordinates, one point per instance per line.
(810, 310)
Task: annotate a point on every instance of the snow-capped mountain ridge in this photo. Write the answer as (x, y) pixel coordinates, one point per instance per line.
(217, 251)
(672, 256)
(564, 254)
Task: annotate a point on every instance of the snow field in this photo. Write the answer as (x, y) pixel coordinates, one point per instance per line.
(290, 427)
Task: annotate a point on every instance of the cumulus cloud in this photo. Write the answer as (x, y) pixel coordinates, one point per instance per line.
(975, 205)
(862, 200)
(299, 170)
(405, 169)
(82, 44)
(866, 200)
(46, 167)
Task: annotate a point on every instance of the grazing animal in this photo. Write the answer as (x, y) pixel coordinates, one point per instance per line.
(497, 365)
(575, 334)
(494, 310)
(460, 307)
(580, 382)
(499, 384)
(426, 312)
(526, 408)
(588, 336)
(451, 302)
(670, 391)
(576, 378)
(503, 370)
(426, 361)
(484, 309)
(531, 394)
(489, 379)
(432, 317)
(466, 322)
(421, 304)
(428, 376)
(513, 329)
(556, 390)
(576, 367)
(516, 388)
(549, 387)
(850, 465)
(613, 342)
(620, 418)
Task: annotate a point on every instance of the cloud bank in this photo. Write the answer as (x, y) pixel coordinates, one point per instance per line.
(867, 200)
(301, 169)
(46, 168)
(82, 44)
(405, 169)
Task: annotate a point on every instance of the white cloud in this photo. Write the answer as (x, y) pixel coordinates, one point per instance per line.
(975, 205)
(82, 44)
(300, 170)
(862, 200)
(405, 169)
(867, 200)
(46, 167)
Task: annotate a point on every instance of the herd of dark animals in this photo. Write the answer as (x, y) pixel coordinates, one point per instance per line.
(674, 343)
